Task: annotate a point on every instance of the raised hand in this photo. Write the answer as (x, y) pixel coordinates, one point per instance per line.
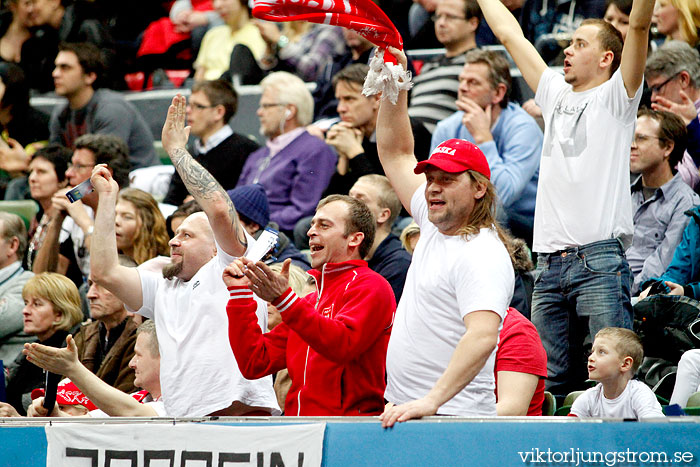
(175, 133)
(102, 180)
(60, 361)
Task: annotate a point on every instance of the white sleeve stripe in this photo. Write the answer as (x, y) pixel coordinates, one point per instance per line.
(287, 302)
(240, 294)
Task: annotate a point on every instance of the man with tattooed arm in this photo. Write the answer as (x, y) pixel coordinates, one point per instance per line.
(199, 375)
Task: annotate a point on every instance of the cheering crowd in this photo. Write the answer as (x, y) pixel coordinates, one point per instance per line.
(372, 257)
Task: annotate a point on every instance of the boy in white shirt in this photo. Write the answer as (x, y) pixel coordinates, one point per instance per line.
(616, 356)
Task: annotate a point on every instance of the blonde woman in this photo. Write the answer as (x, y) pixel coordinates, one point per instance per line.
(678, 20)
(51, 312)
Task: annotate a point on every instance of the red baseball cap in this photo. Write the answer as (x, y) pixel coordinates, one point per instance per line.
(456, 155)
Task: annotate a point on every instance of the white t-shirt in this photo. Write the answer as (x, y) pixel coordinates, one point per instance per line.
(157, 405)
(449, 277)
(584, 189)
(198, 372)
(636, 401)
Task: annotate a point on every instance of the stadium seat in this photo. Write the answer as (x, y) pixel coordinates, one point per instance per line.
(549, 405)
(26, 209)
(694, 400)
(568, 402)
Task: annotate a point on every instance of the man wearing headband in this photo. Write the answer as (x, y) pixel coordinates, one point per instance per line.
(442, 349)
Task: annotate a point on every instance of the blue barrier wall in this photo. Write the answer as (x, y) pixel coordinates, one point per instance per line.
(444, 442)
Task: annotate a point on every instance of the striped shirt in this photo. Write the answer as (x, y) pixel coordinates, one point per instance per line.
(435, 90)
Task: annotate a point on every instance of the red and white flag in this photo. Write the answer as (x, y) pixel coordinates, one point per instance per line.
(363, 16)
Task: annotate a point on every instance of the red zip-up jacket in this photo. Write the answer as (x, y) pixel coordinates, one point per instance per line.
(333, 342)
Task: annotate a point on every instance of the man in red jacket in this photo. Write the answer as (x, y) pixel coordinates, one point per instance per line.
(333, 342)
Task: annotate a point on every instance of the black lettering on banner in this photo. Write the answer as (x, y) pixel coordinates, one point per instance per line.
(196, 456)
(87, 453)
(276, 460)
(149, 455)
(242, 457)
(128, 455)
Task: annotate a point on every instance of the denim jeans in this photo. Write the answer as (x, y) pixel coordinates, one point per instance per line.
(578, 291)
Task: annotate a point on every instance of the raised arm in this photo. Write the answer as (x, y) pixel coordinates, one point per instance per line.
(395, 143)
(507, 29)
(65, 362)
(634, 52)
(213, 199)
(123, 282)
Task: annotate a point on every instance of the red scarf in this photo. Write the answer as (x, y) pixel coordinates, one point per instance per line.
(363, 16)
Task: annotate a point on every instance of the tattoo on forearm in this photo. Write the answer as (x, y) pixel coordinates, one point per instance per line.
(202, 185)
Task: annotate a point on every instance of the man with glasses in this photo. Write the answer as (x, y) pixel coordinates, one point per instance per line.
(435, 89)
(294, 167)
(673, 76)
(221, 151)
(659, 196)
(66, 247)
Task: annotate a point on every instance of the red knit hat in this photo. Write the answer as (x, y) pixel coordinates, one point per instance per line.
(456, 155)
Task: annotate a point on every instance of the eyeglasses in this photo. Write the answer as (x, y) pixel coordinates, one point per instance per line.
(640, 138)
(79, 166)
(196, 106)
(267, 106)
(446, 17)
(658, 87)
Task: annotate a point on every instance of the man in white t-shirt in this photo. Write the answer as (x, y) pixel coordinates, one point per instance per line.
(443, 345)
(199, 374)
(583, 212)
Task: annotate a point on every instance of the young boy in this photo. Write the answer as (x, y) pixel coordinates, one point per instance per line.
(616, 356)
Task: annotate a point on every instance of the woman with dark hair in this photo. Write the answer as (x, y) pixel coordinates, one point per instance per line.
(47, 174)
(617, 13)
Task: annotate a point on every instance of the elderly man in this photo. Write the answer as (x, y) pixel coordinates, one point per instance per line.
(443, 346)
(188, 300)
(333, 342)
(106, 345)
(13, 243)
(294, 167)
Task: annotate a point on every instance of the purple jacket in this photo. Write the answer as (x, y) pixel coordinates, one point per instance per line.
(294, 179)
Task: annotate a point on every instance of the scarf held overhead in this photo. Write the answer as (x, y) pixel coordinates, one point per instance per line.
(363, 16)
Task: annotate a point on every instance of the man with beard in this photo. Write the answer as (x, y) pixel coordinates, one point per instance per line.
(188, 302)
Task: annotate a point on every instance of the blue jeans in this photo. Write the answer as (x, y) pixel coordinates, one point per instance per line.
(578, 291)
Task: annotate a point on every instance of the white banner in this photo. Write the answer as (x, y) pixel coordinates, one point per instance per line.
(183, 445)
